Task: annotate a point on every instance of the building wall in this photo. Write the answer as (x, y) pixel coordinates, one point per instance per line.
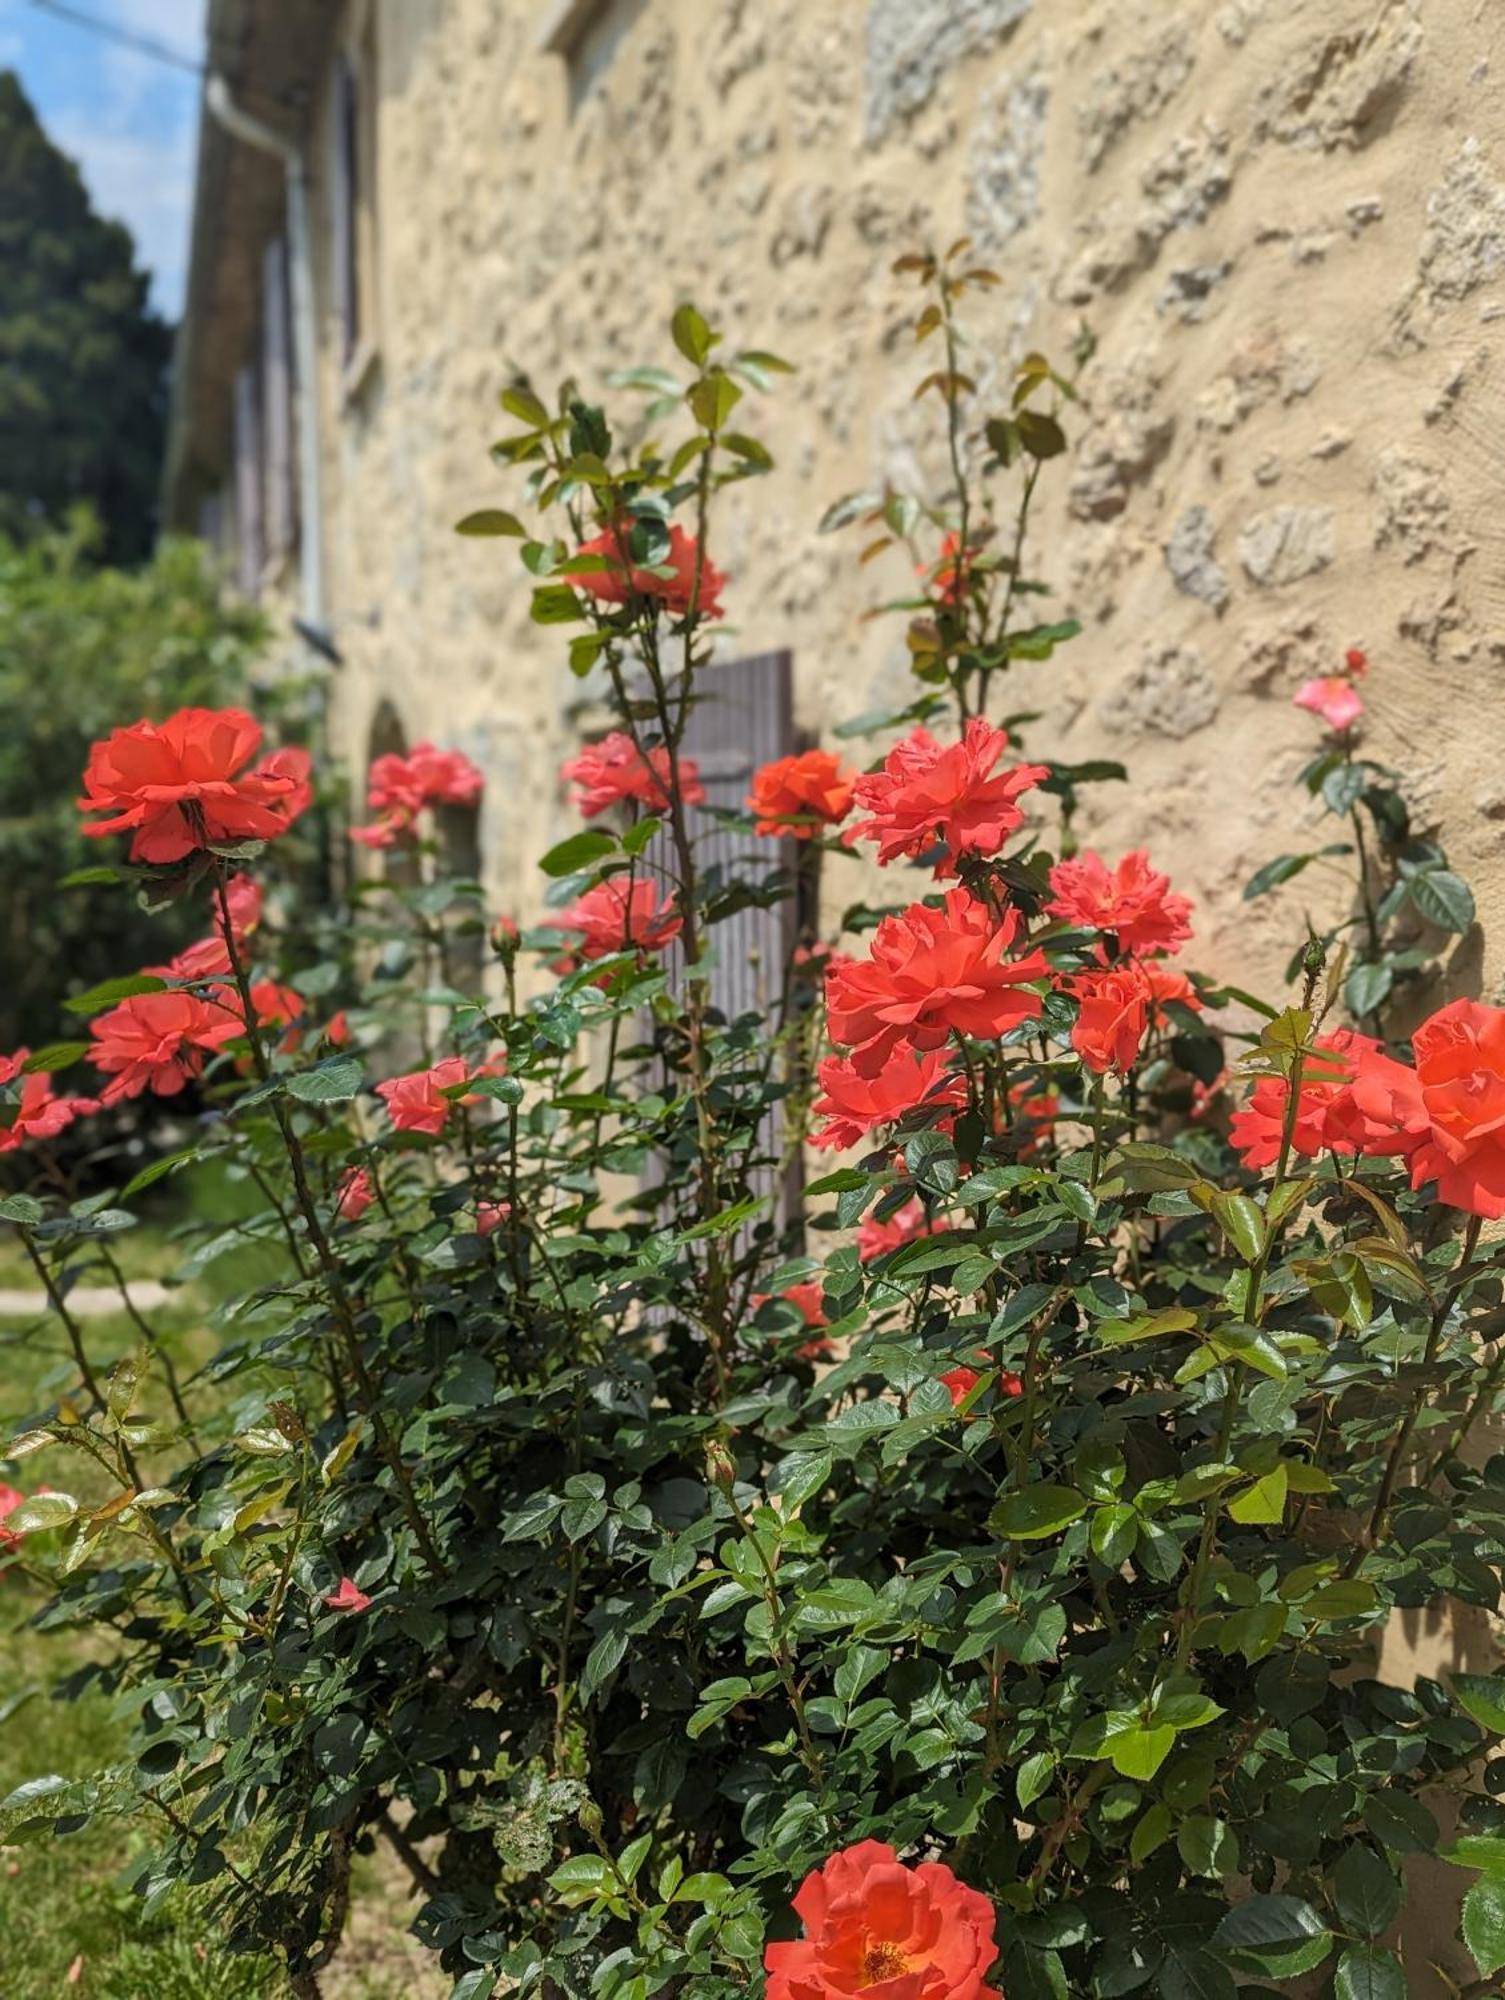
(1284, 222)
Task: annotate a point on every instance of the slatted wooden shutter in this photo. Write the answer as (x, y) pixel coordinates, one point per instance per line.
(249, 520)
(745, 718)
(277, 400)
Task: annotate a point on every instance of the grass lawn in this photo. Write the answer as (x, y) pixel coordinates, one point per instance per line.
(67, 1926)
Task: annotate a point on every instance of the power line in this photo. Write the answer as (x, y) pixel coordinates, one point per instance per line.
(143, 45)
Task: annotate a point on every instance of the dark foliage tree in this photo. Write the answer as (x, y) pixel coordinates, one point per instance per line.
(83, 358)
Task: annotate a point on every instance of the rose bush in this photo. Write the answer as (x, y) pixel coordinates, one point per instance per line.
(963, 1580)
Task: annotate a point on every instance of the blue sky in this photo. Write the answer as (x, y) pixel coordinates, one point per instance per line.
(131, 123)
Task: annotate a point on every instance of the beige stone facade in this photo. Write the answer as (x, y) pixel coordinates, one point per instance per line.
(1283, 221)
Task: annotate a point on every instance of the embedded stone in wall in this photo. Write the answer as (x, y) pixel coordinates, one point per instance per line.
(1464, 244)
(1276, 658)
(1126, 442)
(1139, 87)
(1170, 693)
(1190, 556)
(1005, 173)
(1287, 544)
(1413, 505)
(912, 44)
(1187, 292)
(1344, 87)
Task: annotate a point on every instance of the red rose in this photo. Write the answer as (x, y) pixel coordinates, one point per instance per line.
(799, 795)
(614, 769)
(1132, 902)
(951, 577)
(399, 787)
(1455, 1109)
(618, 583)
(422, 1100)
(878, 1930)
(354, 1195)
(933, 973)
(39, 1112)
(906, 1225)
(1118, 1005)
(182, 785)
(296, 765)
(618, 914)
(927, 792)
(157, 1041)
(854, 1104)
(1332, 1114)
(348, 1597)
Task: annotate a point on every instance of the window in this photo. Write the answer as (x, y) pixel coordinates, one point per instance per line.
(352, 194)
(250, 530)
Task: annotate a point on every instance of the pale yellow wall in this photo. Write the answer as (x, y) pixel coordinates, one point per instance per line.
(1283, 219)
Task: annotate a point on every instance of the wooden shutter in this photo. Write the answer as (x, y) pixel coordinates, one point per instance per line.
(249, 522)
(344, 194)
(277, 400)
(745, 718)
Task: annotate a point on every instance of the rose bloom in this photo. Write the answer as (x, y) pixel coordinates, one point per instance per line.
(799, 795)
(418, 1102)
(337, 1030)
(953, 794)
(1334, 698)
(10, 1500)
(348, 1597)
(961, 1381)
(620, 583)
(854, 1104)
(617, 915)
(1328, 1117)
(1452, 1112)
(398, 788)
(877, 1929)
(490, 1215)
(156, 1041)
(182, 784)
(906, 1225)
(1034, 1111)
(1118, 1005)
(295, 765)
(951, 578)
(1132, 902)
(614, 769)
(355, 1195)
(40, 1113)
(931, 974)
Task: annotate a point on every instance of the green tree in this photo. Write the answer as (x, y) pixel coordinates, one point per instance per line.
(83, 359)
(80, 646)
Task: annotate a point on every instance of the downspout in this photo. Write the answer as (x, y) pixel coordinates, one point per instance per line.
(305, 343)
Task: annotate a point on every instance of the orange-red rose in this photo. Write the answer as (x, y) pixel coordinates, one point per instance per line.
(620, 581)
(422, 1100)
(1116, 1007)
(799, 795)
(617, 915)
(1132, 903)
(399, 787)
(39, 1112)
(953, 794)
(1329, 1114)
(878, 1930)
(854, 1104)
(182, 784)
(157, 1041)
(606, 773)
(933, 973)
(1453, 1110)
(906, 1225)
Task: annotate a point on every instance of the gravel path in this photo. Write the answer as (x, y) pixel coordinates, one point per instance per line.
(88, 1301)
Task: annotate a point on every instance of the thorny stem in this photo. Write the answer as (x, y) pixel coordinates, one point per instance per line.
(783, 1655)
(339, 1298)
(157, 1347)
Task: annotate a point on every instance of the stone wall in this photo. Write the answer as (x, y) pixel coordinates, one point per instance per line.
(1282, 220)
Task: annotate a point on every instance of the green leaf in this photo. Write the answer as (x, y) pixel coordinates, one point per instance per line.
(1150, 1326)
(1368, 1972)
(1443, 898)
(581, 850)
(111, 991)
(1041, 435)
(490, 521)
(1367, 987)
(555, 604)
(713, 400)
(22, 1208)
(1036, 1512)
(1483, 1697)
(333, 1082)
(692, 336)
(1269, 1924)
(1032, 1778)
(1365, 1893)
(56, 1056)
(40, 1512)
(1196, 1975)
(520, 402)
(602, 1661)
(1263, 1503)
(1484, 1923)
(1281, 869)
